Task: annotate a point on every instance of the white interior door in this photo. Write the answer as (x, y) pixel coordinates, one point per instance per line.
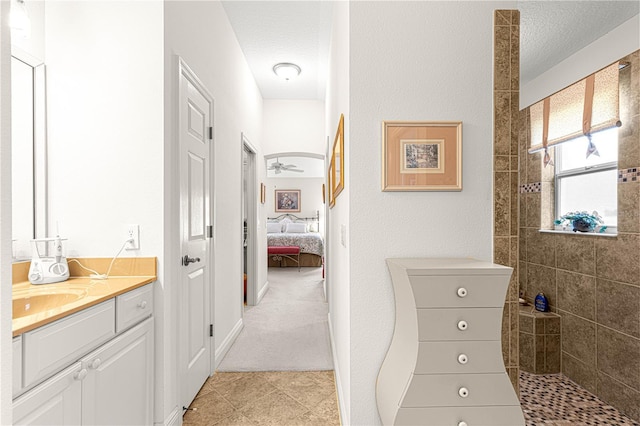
(250, 211)
(195, 135)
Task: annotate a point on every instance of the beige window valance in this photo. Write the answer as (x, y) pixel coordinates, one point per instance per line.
(584, 108)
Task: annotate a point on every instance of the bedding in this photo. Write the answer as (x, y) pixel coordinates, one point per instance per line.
(309, 242)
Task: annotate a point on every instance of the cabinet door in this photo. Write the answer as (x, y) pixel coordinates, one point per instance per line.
(54, 402)
(118, 389)
(17, 365)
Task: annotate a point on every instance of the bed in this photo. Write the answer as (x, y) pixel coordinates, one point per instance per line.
(291, 230)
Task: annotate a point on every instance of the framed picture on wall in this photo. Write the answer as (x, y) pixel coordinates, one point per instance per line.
(332, 200)
(263, 193)
(337, 160)
(421, 156)
(287, 200)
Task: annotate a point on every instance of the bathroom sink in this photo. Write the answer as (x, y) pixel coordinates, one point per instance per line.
(35, 302)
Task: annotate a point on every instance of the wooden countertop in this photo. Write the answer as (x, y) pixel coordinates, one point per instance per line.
(75, 294)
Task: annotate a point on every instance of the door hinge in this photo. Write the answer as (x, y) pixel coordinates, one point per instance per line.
(210, 330)
(210, 231)
(210, 133)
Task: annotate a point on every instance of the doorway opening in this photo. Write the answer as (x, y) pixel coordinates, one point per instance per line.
(249, 223)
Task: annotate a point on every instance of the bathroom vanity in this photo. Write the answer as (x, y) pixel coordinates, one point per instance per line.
(93, 363)
(444, 365)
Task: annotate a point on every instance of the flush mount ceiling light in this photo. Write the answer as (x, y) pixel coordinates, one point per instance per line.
(286, 70)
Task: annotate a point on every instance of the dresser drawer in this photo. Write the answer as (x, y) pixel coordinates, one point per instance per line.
(53, 346)
(133, 307)
(459, 324)
(459, 291)
(472, 416)
(460, 357)
(454, 390)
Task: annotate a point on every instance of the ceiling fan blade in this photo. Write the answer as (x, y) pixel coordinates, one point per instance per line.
(295, 170)
(286, 166)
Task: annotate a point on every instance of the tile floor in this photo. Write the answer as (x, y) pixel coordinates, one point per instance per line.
(553, 399)
(282, 398)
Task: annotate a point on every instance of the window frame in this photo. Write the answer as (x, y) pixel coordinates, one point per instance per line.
(557, 176)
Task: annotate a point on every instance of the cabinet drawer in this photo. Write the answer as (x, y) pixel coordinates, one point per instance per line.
(53, 346)
(17, 365)
(447, 390)
(459, 324)
(473, 416)
(133, 307)
(460, 357)
(459, 291)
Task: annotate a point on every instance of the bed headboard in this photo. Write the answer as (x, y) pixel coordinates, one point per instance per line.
(293, 217)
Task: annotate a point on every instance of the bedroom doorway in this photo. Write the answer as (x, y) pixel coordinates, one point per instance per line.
(249, 223)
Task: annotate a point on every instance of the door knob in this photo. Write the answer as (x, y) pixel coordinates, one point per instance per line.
(186, 260)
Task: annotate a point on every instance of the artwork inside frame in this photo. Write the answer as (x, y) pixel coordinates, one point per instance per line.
(421, 156)
(324, 198)
(287, 200)
(337, 160)
(263, 193)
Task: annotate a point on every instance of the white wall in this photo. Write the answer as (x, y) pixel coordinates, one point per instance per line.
(618, 43)
(200, 33)
(33, 46)
(104, 100)
(337, 269)
(6, 354)
(293, 126)
(424, 61)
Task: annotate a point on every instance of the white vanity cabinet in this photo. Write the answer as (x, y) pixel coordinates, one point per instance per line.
(444, 365)
(104, 380)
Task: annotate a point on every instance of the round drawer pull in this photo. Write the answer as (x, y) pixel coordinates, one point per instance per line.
(462, 325)
(80, 375)
(463, 359)
(463, 392)
(142, 304)
(462, 292)
(462, 423)
(95, 363)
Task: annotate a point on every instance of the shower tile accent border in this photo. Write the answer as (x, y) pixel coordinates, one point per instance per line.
(629, 175)
(531, 187)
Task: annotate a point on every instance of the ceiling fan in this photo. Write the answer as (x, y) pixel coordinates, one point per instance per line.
(278, 167)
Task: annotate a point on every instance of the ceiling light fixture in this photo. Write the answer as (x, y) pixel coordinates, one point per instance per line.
(286, 70)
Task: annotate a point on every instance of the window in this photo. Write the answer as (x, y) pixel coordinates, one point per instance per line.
(588, 184)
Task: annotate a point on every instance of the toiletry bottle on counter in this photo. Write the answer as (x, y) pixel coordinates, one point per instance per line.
(542, 304)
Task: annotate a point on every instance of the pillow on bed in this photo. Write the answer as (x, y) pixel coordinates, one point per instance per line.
(285, 220)
(297, 228)
(274, 227)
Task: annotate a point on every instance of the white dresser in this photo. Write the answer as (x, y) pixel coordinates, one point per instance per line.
(444, 365)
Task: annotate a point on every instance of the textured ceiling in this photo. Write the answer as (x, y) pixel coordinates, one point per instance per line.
(299, 31)
(270, 32)
(550, 31)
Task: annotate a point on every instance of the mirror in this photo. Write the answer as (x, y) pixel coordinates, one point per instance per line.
(28, 157)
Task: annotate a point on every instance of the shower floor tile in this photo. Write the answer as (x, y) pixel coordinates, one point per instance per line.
(553, 399)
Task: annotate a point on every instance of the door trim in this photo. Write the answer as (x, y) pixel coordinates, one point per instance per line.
(252, 218)
(184, 71)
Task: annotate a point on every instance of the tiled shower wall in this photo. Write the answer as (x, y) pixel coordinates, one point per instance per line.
(592, 281)
(505, 173)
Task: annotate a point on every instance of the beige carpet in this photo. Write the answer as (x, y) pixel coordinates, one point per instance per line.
(287, 330)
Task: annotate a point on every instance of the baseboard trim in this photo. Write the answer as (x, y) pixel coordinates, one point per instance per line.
(336, 373)
(262, 292)
(228, 341)
(174, 418)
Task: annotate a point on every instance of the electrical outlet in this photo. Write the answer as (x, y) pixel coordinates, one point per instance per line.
(133, 231)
